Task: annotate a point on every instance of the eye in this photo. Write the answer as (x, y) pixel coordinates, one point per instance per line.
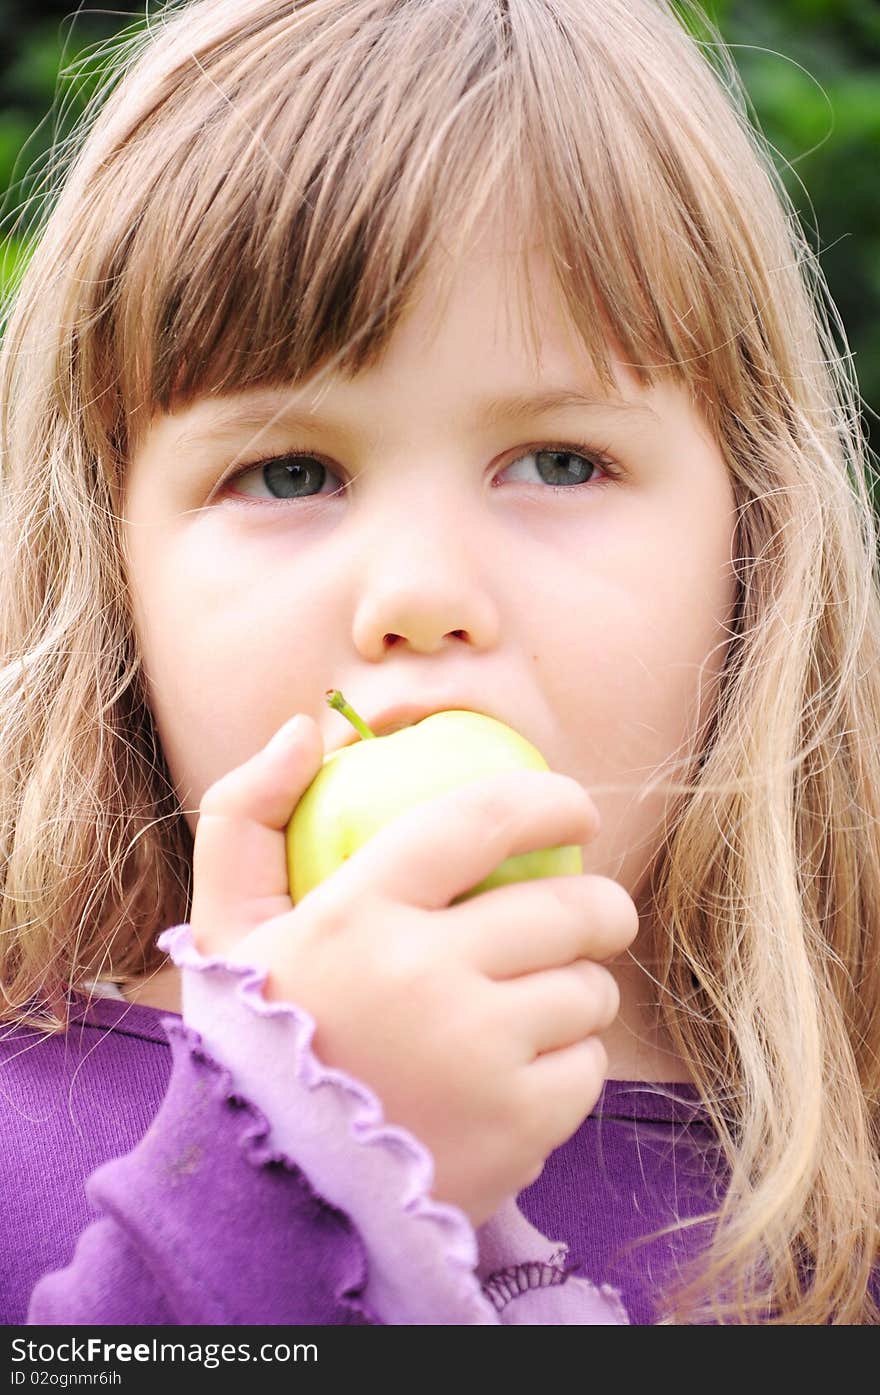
(284, 477)
(300, 475)
(563, 466)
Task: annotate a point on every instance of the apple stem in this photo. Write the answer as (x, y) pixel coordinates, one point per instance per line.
(336, 700)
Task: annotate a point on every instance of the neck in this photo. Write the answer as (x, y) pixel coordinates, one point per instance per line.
(638, 1049)
(161, 989)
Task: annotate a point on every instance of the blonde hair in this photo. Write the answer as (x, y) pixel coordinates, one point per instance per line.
(256, 200)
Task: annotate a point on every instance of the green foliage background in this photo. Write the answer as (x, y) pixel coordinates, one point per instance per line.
(811, 69)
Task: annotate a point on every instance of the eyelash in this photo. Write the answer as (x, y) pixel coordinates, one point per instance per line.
(600, 458)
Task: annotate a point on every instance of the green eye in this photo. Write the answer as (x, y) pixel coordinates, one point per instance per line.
(285, 477)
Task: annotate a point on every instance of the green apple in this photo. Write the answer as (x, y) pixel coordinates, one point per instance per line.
(362, 787)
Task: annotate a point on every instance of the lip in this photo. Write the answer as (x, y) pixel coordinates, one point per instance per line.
(406, 714)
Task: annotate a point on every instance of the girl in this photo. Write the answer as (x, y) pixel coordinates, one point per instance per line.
(455, 353)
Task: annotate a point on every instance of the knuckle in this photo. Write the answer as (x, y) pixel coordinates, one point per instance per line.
(406, 969)
(613, 997)
(490, 805)
(571, 898)
(601, 987)
(597, 1062)
(210, 804)
(415, 970)
(576, 789)
(610, 994)
(558, 1118)
(519, 1113)
(568, 893)
(568, 1120)
(548, 1119)
(523, 1158)
(616, 906)
(540, 1126)
(216, 798)
(326, 908)
(583, 804)
(532, 1169)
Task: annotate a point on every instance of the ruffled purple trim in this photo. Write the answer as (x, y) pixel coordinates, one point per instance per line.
(423, 1253)
(546, 1296)
(429, 1275)
(506, 1284)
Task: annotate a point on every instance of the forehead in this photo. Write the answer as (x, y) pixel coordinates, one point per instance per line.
(501, 281)
(491, 315)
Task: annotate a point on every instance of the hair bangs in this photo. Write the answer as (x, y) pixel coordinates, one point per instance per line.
(299, 193)
(276, 211)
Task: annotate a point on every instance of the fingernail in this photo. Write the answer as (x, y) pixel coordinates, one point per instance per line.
(289, 733)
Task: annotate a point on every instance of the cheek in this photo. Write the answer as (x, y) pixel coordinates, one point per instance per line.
(637, 670)
(228, 641)
(669, 642)
(634, 612)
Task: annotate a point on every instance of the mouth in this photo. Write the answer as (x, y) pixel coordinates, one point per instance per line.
(395, 726)
(394, 719)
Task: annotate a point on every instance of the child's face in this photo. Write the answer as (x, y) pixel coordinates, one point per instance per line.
(591, 617)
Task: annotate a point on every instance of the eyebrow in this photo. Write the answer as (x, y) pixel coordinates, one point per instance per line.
(265, 411)
(513, 408)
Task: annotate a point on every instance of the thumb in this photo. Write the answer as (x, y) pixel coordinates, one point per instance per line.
(239, 853)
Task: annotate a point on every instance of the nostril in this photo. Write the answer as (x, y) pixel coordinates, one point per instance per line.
(390, 640)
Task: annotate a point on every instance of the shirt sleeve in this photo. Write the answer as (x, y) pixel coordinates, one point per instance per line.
(270, 1190)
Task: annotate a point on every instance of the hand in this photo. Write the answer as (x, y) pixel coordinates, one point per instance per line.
(476, 1024)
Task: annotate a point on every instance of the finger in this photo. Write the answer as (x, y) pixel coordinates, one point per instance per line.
(527, 926)
(447, 845)
(559, 1007)
(239, 855)
(562, 1089)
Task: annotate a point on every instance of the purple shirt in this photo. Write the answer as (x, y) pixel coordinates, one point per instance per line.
(141, 1186)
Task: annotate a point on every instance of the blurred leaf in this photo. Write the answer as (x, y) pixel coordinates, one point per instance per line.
(15, 128)
(14, 253)
(35, 64)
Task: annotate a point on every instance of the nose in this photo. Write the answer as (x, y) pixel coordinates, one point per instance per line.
(424, 588)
